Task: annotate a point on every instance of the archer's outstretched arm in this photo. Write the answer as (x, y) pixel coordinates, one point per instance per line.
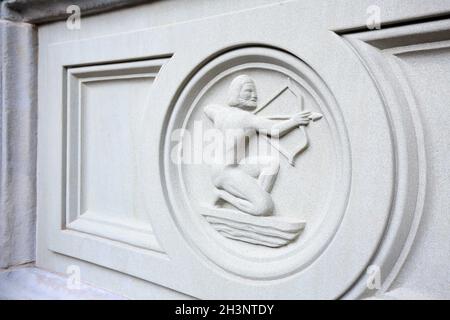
(279, 128)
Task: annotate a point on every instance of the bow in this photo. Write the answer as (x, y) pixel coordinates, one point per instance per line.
(300, 142)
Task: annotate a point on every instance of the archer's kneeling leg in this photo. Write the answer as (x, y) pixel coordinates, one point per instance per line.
(267, 168)
(243, 192)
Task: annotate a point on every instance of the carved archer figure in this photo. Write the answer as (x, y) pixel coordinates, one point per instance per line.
(245, 183)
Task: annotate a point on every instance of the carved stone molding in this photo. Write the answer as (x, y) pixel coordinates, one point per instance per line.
(389, 55)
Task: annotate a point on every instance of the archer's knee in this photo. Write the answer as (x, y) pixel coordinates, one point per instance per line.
(263, 205)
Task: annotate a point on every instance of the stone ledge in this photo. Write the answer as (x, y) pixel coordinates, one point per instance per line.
(41, 11)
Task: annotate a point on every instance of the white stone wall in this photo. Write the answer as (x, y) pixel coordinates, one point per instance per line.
(110, 203)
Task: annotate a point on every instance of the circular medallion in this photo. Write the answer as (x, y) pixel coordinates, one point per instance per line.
(257, 163)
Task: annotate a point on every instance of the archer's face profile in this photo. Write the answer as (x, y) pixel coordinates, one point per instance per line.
(243, 93)
(248, 95)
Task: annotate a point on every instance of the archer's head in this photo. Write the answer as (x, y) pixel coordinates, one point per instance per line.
(242, 93)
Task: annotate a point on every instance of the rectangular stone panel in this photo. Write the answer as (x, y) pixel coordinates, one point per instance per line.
(105, 104)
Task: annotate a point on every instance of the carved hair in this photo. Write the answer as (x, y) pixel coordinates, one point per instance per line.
(235, 89)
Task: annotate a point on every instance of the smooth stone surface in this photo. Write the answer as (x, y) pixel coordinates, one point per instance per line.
(32, 283)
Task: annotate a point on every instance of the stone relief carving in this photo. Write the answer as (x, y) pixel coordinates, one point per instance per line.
(271, 210)
(243, 208)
